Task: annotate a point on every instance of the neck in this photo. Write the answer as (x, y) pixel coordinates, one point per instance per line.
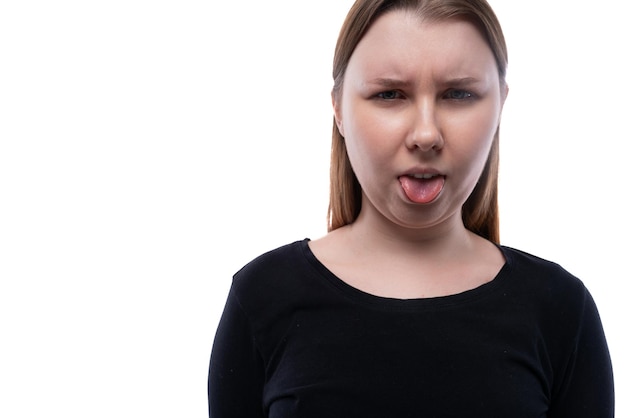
(444, 239)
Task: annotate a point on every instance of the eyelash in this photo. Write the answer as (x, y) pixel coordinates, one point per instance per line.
(467, 95)
(382, 94)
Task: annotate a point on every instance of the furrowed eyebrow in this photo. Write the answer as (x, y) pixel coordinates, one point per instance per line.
(389, 82)
(397, 83)
(462, 81)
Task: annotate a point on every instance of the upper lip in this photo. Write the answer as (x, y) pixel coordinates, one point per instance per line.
(423, 173)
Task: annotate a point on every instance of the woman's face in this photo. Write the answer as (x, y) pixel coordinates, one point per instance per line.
(419, 107)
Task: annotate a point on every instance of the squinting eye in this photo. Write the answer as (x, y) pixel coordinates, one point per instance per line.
(455, 94)
(388, 95)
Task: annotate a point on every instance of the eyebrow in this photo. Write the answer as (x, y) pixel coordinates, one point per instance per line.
(389, 82)
(462, 81)
(393, 82)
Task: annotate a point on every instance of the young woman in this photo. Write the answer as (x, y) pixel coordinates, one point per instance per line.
(409, 306)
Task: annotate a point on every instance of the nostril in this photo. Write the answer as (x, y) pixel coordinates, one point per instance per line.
(425, 141)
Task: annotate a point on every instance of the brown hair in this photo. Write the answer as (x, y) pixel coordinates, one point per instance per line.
(480, 211)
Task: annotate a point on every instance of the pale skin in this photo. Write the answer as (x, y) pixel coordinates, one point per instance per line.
(418, 97)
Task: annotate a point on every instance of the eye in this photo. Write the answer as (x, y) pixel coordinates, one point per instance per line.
(457, 94)
(388, 95)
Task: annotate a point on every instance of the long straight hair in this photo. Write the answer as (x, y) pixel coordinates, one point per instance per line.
(480, 211)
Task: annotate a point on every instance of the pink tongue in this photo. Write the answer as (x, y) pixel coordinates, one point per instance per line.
(422, 190)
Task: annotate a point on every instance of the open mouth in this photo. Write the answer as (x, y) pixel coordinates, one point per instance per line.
(424, 176)
(423, 187)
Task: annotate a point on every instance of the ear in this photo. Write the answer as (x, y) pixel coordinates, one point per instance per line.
(337, 112)
(504, 93)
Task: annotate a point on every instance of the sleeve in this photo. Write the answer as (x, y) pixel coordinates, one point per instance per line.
(587, 388)
(236, 376)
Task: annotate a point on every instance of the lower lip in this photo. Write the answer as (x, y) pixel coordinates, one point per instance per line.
(422, 191)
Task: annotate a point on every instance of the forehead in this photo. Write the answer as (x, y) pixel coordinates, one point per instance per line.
(402, 42)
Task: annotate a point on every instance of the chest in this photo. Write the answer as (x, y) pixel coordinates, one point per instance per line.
(415, 364)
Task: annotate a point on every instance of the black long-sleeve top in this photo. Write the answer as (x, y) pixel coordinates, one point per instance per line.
(296, 341)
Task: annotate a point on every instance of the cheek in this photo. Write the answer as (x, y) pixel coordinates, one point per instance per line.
(369, 156)
(471, 148)
(475, 132)
(369, 138)
(370, 127)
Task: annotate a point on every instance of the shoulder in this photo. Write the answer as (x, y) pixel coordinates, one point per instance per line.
(533, 270)
(271, 287)
(277, 262)
(545, 285)
(537, 269)
(272, 277)
(560, 310)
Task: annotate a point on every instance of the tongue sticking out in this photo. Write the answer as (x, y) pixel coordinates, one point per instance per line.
(422, 190)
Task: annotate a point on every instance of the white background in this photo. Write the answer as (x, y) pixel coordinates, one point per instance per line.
(149, 149)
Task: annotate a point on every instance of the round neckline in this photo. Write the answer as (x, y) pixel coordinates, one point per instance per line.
(428, 303)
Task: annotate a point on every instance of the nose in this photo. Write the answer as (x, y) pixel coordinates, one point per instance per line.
(424, 133)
